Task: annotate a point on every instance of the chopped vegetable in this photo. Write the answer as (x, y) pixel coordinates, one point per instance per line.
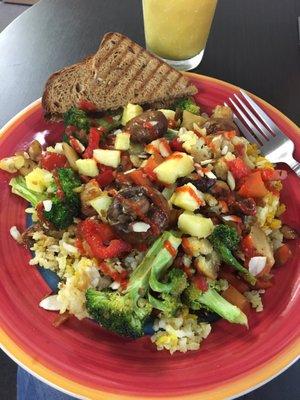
(225, 239)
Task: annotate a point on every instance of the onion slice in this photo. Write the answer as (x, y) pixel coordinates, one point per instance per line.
(257, 264)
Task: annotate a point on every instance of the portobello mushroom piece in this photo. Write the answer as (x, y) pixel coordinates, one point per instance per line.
(126, 213)
(147, 126)
(215, 125)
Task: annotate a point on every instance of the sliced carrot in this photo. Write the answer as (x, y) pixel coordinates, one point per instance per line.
(237, 283)
(151, 164)
(236, 298)
(282, 254)
(253, 186)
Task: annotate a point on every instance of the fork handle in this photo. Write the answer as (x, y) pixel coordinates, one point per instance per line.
(295, 165)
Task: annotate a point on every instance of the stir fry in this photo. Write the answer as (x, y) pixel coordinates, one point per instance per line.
(157, 221)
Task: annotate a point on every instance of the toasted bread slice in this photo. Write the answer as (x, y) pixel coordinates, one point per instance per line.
(121, 72)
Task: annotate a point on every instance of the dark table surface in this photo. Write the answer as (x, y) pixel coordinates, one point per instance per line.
(253, 44)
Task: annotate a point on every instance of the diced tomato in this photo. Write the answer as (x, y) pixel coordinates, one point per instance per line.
(253, 186)
(151, 164)
(270, 174)
(236, 282)
(238, 168)
(105, 178)
(86, 105)
(283, 254)
(200, 282)
(94, 139)
(236, 298)
(176, 145)
(51, 161)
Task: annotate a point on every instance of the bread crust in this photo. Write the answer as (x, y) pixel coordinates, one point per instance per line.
(120, 72)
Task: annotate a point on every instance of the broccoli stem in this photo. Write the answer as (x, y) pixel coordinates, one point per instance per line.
(227, 256)
(215, 302)
(162, 262)
(19, 187)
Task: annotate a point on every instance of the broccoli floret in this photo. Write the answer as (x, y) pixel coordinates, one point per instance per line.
(68, 180)
(19, 187)
(176, 282)
(188, 105)
(118, 313)
(168, 304)
(77, 118)
(211, 299)
(64, 210)
(126, 313)
(225, 239)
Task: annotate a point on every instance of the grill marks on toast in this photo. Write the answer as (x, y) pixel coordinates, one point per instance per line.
(120, 72)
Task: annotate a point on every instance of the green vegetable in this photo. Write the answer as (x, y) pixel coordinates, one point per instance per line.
(168, 304)
(126, 313)
(175, 284)
(109, 123)
(225, 239)
(211, 299)
(62, 213)
(19, 187)
(77, 118)
(188, 105)
(171, 134)
(64, 210)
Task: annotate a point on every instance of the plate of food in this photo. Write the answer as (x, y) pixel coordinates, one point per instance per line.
(148, 250)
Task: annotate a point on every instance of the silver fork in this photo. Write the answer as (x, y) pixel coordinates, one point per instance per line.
(263, 131)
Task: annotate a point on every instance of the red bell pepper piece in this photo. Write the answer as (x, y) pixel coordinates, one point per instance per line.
(253, 186)
(238, 168)
(97, 235)
(105, 178)
(51, 161)
(94, 139)
(269, 174)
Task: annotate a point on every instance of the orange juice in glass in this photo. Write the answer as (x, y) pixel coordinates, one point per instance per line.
(177, 30)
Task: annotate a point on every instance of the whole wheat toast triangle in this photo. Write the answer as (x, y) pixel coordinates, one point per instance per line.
(121, 72)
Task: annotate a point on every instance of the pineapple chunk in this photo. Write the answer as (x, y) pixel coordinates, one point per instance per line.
(110, 158)
(87, 167)
(176, 166)
(195, 225)
(207, 267)
(122, 141)
(187, 197)
(130, 111)
(169, 114)
(38, 180)
(101, 205)
(194, 247)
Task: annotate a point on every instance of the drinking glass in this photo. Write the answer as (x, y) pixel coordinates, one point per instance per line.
(177, 30)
